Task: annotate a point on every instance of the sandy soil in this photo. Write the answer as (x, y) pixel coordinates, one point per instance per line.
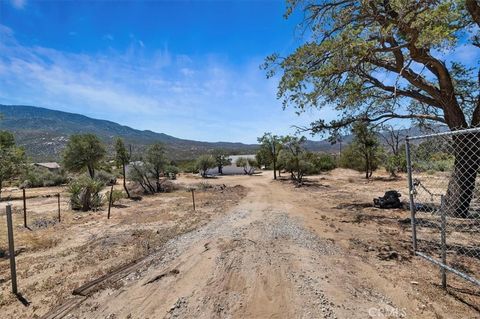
(55, 258)
(320, 251)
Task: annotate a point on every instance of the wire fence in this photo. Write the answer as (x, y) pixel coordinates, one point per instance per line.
(36, 209)
(443, 173)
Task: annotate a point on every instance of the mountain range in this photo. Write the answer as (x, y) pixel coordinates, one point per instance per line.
(44, 133)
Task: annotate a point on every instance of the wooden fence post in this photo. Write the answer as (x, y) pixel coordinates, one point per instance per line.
(11, 249)
(193, 198)
(24, 209)
(110, 203)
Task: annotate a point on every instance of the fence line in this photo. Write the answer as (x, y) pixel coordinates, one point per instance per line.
(444, 196)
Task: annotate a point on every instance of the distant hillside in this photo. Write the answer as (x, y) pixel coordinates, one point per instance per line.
(45, 132)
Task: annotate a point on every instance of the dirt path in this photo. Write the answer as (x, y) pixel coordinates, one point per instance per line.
(258, 261)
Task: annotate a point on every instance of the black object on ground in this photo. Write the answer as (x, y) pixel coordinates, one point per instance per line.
(391, 199)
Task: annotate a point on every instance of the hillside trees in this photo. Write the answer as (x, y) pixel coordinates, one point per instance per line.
(122, 157)
(270, 147)
(12, 158)
(355, 45)
(83, 151)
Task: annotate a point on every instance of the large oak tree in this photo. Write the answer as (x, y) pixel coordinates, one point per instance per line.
(379, 60)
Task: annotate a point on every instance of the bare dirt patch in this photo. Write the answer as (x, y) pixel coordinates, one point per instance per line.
(54, 258)
(319, 251)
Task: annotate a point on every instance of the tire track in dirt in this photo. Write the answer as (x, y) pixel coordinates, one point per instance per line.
(254, 262)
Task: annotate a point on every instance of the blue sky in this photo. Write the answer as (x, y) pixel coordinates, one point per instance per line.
(187, 68)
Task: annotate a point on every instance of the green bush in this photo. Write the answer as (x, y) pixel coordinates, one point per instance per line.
(171, 171)
(351, 159)
(117, 195)
(42, 177)
(187, 166)
(106, 177)
(321, 162)
(85, 193)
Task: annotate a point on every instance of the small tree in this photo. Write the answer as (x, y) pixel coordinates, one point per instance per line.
(171, 171)
(248, 164)
(12, 158)
(156, 162)
(364, 153)
(122, 158)
(262, 158)
(204, 163)
(295, 159)
(83, 151)
(150, 172)
(271, 146)
(221, 159)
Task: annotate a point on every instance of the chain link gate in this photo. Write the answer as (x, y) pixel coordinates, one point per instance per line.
(444, 186)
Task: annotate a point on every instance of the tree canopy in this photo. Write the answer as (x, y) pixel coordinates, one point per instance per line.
(83, 151)
(221, 158)
(380, 60)
(122, 157)
(364, 153)
(204, 163)
(270, 147)
(12, 158)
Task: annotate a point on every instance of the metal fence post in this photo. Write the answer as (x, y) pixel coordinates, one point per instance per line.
(11, 249)
(110, 202)
(59, 217)
(24, 209)
(410, 193)
(443, 238)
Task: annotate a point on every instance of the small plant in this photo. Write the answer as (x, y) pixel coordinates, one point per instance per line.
(106, 178)
(117, 195)
(202, 186)
(248, 164)
(85, 194)
(171, 172)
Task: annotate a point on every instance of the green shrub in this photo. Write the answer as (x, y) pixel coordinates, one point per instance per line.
(106, 177)
(171, 171)
(117, 195)
(42, 177)
(85, 193)
(320, 162)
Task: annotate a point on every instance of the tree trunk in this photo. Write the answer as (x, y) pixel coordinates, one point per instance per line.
(461, 186)
(274, 169)
(220, 169)
(91, 172)
(125, 181)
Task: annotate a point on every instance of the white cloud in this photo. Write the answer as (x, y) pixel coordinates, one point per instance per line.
(108, 37)
(18, 4)
(176, 94)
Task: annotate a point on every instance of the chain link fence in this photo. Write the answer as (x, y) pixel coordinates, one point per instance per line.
(444, 184)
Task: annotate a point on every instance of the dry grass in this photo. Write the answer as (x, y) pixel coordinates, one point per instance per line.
(54, 258)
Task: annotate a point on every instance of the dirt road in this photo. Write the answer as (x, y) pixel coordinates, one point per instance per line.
(270, 256)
